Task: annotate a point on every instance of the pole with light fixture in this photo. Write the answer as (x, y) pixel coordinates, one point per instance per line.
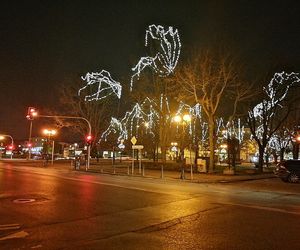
(31, 114)
(183, 121)
(49, 133)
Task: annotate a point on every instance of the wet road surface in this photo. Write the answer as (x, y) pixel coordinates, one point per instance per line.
(44, 208)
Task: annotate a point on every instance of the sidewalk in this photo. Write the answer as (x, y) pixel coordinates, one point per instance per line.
(126, 170)
(176, 175)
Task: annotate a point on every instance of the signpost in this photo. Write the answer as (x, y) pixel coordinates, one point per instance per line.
(133, 141)
(139, 148)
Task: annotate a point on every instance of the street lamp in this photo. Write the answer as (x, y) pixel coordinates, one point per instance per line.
(31, 114)
(183, 121)
(2, 137)
(49, 133)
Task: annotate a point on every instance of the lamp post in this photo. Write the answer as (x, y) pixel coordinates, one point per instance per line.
(183, 121)
(12, 143)
(31, 114)
(49, 133)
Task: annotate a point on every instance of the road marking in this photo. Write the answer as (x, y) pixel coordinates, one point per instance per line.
(9, 227)
(38, 246)
(21, 234)
(264, 208)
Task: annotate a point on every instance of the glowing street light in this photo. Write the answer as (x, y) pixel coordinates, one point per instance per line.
(31, 114)
(183, 121)
(49, 133)
(11, 147)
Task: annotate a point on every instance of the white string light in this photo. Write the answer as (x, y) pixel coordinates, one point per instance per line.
(141, 114)
(276, 92)
(106, 86)
(166, 59)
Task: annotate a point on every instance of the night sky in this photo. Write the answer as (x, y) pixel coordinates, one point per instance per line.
(43, 43)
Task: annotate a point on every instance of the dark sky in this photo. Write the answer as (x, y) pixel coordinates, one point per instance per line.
(43, 43)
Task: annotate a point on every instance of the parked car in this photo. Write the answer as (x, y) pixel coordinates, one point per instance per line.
(288, 171)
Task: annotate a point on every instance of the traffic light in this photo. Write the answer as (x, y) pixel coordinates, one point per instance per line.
(31, 113)
(11, 147)
(88, 139)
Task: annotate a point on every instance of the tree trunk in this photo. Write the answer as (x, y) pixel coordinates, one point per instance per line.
(211, 166)
(295, 150)
(281, 154)
(261, 159)
(196, 153)
(276, 157)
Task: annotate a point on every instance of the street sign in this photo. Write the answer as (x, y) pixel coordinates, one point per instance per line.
(133, 140)
(137, 146)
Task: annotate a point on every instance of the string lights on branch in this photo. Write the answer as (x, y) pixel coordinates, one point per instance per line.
(141, 114)
(276, 92)
(102, 83)
(166, 58)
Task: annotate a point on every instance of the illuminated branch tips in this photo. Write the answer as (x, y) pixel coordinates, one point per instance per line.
(101, 84)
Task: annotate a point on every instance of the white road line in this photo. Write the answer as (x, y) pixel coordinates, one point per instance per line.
(264, 208)
(21, 234)
(9, 227)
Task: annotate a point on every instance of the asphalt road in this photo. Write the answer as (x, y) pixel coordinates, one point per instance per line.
(46, 208)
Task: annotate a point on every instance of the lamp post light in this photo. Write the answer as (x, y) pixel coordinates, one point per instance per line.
(49, 133)
(31, 114)
(12, 143)
(183, 121)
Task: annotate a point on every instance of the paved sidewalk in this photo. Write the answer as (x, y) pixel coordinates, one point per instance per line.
(176, 175)
(126, 170)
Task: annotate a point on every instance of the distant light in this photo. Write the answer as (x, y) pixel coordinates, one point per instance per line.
(187, 118)
(49, 131)
(177, 118)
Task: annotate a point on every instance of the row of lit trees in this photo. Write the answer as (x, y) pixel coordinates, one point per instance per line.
(215, 82)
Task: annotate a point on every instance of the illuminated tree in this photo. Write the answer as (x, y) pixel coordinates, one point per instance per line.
(266, 118)
(74, 105)
(208, 79)
(166, 55)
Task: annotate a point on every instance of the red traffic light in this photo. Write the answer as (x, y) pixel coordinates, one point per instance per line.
(10, 147)
(88, 139)
(31, 113)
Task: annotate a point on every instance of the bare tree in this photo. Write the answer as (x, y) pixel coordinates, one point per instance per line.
(96, 112)
(208, 79)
